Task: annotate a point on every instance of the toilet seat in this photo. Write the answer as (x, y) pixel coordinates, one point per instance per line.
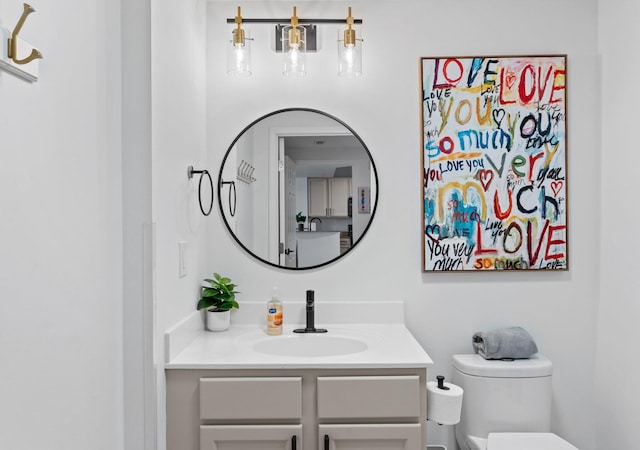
(527, 441)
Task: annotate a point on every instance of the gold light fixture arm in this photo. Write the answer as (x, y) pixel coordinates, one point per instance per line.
(349, 33)
(294, 32)
(13, 40)
(238, 33)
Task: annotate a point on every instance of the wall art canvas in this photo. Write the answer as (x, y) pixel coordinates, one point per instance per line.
(494, 159)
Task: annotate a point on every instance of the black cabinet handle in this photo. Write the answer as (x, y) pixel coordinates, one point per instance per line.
(326, 442)
(293, 442)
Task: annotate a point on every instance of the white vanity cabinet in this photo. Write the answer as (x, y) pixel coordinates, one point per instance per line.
(328, 197)
(295, 409)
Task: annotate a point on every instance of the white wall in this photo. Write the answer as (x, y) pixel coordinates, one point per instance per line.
(178, 134)
(443, 310)
(178, 141)
(617, 389)
(60, 233)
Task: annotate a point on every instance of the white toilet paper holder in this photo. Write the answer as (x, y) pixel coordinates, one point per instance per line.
(445, 402)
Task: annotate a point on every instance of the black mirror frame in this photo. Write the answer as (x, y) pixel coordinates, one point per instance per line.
(221, 183)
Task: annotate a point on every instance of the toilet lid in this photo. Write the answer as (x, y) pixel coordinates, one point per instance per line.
(527, 441)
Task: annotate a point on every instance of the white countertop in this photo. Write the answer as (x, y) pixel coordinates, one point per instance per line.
(389, 344)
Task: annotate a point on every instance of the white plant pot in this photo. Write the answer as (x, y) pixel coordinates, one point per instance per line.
(218, 320)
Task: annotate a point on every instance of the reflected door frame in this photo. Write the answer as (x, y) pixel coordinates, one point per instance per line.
(287, 208)
(275, 168)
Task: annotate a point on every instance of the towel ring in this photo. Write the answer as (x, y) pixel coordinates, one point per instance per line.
(232, 212)
(203, 173)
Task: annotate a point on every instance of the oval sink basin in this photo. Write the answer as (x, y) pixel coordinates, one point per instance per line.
(310, 345)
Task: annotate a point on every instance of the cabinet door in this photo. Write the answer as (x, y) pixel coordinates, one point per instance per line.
(317, 197)
(339, 191)
(251, 437)
(370, 436)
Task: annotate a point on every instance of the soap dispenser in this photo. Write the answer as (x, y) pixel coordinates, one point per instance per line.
(274, 314)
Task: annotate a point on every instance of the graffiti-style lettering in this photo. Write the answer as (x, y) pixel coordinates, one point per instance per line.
(495, 177)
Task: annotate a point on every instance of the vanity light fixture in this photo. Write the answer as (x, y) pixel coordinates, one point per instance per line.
(294, 47)
(239, 52)
(349, 51)
(294, 37)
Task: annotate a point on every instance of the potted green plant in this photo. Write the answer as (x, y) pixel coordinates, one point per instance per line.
(300, 219)
(218, 298)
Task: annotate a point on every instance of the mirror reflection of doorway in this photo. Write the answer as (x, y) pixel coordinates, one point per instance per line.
(260, 213)
(322, 191)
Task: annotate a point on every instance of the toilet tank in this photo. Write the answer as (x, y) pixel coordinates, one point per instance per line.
(502, 396)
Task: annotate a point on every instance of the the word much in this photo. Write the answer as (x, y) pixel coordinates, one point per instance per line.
(528, 200)
(466, 140)
(501, 263)
(449, 256)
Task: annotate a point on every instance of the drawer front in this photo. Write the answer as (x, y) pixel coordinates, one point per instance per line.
(250, 398)
(377, 397)
(248, 437)
(370, 436)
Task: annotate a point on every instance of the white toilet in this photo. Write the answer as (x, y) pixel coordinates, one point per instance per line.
(506, 405)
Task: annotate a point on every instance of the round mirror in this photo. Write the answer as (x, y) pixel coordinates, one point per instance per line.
(297, 189)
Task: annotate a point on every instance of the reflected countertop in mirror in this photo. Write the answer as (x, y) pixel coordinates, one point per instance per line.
(298, 189)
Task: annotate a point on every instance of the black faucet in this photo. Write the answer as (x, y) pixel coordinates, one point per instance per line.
(310, 328)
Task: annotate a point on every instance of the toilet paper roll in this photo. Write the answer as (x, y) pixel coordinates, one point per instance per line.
(444, 406)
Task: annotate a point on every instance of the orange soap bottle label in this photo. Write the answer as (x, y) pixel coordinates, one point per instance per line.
(274, 319)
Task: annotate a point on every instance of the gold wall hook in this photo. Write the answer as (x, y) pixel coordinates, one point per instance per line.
(13, 40)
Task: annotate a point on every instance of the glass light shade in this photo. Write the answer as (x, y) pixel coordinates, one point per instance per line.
(349, 56)
(294, 47)
(239, 56)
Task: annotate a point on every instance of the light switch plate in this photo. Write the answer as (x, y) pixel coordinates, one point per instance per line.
(182, 259)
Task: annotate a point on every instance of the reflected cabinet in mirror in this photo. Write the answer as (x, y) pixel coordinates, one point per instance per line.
(298, 189)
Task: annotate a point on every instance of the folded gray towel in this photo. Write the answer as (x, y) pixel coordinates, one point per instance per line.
(506, 343)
